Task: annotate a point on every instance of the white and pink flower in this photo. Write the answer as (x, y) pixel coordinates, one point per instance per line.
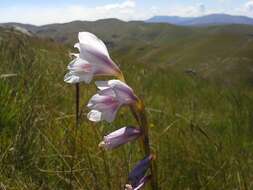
(112, 95)
(93, 60)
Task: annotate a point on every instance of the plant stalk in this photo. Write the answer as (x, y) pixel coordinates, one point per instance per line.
(77, 99)
(144, 127)
(77, 104)
(139, 114)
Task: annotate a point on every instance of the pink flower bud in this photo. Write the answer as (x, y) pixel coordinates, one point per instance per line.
(120, 137)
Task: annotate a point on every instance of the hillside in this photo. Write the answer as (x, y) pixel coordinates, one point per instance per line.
(215, 52)
(196, 84)
(218, 53)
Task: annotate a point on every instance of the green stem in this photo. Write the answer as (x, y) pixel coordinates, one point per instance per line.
(135, 114)
(144, 127)
(75, 134)
(77, 104)
(139, 114)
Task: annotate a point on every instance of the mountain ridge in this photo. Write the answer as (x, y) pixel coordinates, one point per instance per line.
(118, 30)
(206, 20)
(211, 19)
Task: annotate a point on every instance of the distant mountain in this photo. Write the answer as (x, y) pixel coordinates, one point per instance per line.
(212, 19)
(169, 19)
(115, 31)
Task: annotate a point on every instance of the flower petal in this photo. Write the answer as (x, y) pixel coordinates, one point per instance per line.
(118, 84)
(103, 64)
(105, 89)
(107, 105)
(110, 114)
(120, 137)
(93, 58)
(123, 92)
(77, 45)
(94, 116)
(90, 39)
(80, 65)
(74, 77)
(142, 182)
(101, 85)
(75, 55)
(139, 170)
(102, 103)
(117, 88)
(108, 92)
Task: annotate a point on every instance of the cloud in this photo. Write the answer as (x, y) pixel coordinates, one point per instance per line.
(249, 6)
(222, 1)
(202, 8)
(188, 11)
(129, 4)
(126, 7)
(124, 10)
(44, 15)
(246, 9)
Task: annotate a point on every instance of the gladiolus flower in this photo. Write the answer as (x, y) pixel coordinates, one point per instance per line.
(112, 95)
(120, 137)
(93, 60)
(137, 175)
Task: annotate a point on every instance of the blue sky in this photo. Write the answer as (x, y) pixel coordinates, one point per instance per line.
(50, 11)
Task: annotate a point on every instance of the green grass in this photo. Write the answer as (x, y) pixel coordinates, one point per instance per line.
(201, 125)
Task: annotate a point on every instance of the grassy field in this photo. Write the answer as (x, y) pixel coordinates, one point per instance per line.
(201, 122)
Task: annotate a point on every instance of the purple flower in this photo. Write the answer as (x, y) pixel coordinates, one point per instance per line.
(93, 60)
(137, 175)
(120, 137)
(112, 95)
(141, 183)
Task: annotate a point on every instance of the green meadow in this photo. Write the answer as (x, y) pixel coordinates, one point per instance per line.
(197, 85)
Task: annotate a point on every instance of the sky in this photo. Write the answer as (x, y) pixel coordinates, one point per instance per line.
(41, 12)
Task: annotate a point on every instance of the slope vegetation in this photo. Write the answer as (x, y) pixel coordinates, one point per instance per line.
(201, 130)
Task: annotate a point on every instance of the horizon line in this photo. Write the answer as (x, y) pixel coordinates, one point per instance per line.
(131, 20)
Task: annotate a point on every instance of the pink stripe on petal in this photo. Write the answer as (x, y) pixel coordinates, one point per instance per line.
(80, 65)
(101, 103)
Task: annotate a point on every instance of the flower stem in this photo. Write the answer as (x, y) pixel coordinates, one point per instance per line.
(77, 98)
(146, 143)
(77, 104)
(139, 113)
